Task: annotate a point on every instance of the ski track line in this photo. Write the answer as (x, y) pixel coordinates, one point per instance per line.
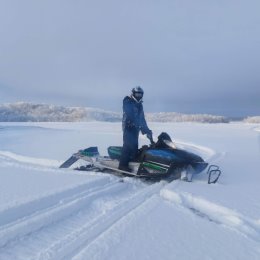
(7, 161)
(30, 246)
(214, 212)
(30, 160)
(13, 214)
(79, 239)
(55, 211)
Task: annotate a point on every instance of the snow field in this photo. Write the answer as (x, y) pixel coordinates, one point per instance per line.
(51, 213)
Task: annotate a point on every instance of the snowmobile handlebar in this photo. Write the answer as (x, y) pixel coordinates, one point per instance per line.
(150, 137)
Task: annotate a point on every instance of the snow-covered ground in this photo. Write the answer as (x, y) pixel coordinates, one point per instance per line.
(61, 214)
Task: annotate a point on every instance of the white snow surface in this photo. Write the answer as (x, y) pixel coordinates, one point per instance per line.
(60, 214)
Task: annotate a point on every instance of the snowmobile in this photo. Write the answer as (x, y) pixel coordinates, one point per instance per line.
(159, 160)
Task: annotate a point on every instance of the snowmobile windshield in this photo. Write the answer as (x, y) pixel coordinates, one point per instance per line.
(170, 144)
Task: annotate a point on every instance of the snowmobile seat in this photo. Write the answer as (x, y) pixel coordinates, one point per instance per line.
(115, 152)
(90, 152)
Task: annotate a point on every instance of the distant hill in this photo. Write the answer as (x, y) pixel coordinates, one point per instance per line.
(178, 117)
(30, 112)
(252, 119)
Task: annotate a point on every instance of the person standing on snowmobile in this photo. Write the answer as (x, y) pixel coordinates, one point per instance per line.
(133, 122)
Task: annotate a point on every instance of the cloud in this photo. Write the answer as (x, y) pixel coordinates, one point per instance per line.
(94, 52)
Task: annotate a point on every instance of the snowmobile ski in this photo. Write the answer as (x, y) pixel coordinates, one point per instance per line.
(69, 162)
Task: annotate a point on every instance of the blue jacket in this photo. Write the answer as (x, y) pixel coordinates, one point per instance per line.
(133, 116)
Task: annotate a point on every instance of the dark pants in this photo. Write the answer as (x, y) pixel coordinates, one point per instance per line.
(130, 146)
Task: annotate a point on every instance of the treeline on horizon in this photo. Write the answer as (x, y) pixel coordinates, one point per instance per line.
(30, 112)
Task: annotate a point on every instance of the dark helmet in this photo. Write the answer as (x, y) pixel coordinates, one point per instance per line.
(137, 93)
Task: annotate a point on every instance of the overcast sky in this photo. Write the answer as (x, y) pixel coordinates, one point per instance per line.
(189, 56)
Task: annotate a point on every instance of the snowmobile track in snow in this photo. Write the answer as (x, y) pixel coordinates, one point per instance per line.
(215, 213)
(27, 162)
(47, 210)
(79, 239)
(38, 216)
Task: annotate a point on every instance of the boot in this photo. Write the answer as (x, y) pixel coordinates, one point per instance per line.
(124, 168)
